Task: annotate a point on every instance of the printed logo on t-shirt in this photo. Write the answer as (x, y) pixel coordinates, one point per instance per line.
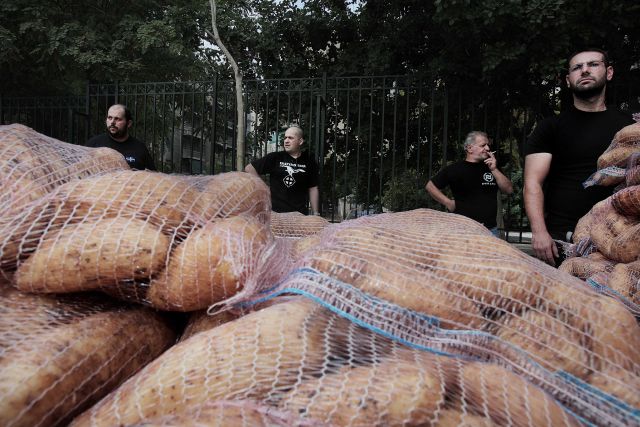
(488, 178)
(130, 159)
(289, 168)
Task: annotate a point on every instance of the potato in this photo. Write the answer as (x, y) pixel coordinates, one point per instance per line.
(616, 156)
(224, 413)
(632, 175)
(399, 287)
(627, 201)
(405, 390)
(625, 143)
(247, 358)
(621, 383)
(610, 328)
(595, 215)
(230, 194)
(294, 224)
(625, 279)
(32, 164)
(585, 267)
(212, 264)
(61, 355)
(162, 200)
(548, 341)
(166, 200)
(509, 399)
(94, 255)
(456, 418)
(304, 244)
(626, 246)
(607, 226)
(201, 321)
(454, 266)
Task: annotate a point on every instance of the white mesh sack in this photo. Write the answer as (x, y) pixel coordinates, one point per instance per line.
(32, 164)
(59, 355)
(165, 240)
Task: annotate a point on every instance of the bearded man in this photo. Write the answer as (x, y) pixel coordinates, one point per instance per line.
(117, 137)
(562, 152)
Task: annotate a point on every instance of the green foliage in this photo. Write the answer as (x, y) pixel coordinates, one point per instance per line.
(56, 47)
(406, 192)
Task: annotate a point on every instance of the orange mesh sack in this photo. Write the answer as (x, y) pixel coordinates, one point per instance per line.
(60, 355)
(32, 164)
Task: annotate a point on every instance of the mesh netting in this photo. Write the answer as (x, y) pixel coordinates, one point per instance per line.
(31, 165)
(60, 355)
(618, 164)
(413, 318)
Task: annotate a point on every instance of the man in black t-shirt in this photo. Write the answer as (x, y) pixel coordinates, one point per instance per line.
(474, 182)
(117, 138)
(562, 152)
(293, 175)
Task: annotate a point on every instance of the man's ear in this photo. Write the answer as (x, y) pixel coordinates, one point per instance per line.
(609, 73)
(129, 123)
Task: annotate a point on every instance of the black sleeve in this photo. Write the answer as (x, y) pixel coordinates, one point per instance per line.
(441, 179)
(541, 139)
(148, 161)
(93, 141)
(263, 165)
(314, 178)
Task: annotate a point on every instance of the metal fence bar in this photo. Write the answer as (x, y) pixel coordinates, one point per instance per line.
(368, 133)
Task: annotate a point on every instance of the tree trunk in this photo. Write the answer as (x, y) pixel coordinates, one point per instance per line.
(240, 146)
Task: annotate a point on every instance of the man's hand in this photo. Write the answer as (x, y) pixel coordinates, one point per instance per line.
(450, 205)
(491, 161)
(544, 247)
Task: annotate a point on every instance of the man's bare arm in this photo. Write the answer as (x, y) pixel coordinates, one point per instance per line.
(440, 197)
(536, 169)
(314, 199)
(250, 169)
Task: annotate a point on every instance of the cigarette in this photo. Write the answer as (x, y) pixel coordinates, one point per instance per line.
(492, 152)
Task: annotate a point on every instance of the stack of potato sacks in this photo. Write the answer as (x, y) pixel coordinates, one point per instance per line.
(414, 318)
(75, 220)
(607, 239)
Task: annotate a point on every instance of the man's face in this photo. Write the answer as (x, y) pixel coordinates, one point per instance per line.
(292, 141)
(479, 151)
(117, 124)
(588, 74)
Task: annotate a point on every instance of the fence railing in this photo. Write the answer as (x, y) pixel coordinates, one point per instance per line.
(377, 139)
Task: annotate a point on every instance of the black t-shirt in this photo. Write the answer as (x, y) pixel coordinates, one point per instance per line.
(575, 139)
(474, 190)
(289, 180)
(133, 150)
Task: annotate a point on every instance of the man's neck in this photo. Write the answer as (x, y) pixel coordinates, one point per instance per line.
(121, 139)
(597, 103)
(470, 159)
(295, 155)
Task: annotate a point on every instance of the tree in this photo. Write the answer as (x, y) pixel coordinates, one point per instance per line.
(54, 48)
(240, 146)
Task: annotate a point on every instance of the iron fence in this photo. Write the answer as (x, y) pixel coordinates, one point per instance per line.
(377, 139)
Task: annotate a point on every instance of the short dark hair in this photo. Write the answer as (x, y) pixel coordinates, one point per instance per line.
(127, 112)
(605, 55)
